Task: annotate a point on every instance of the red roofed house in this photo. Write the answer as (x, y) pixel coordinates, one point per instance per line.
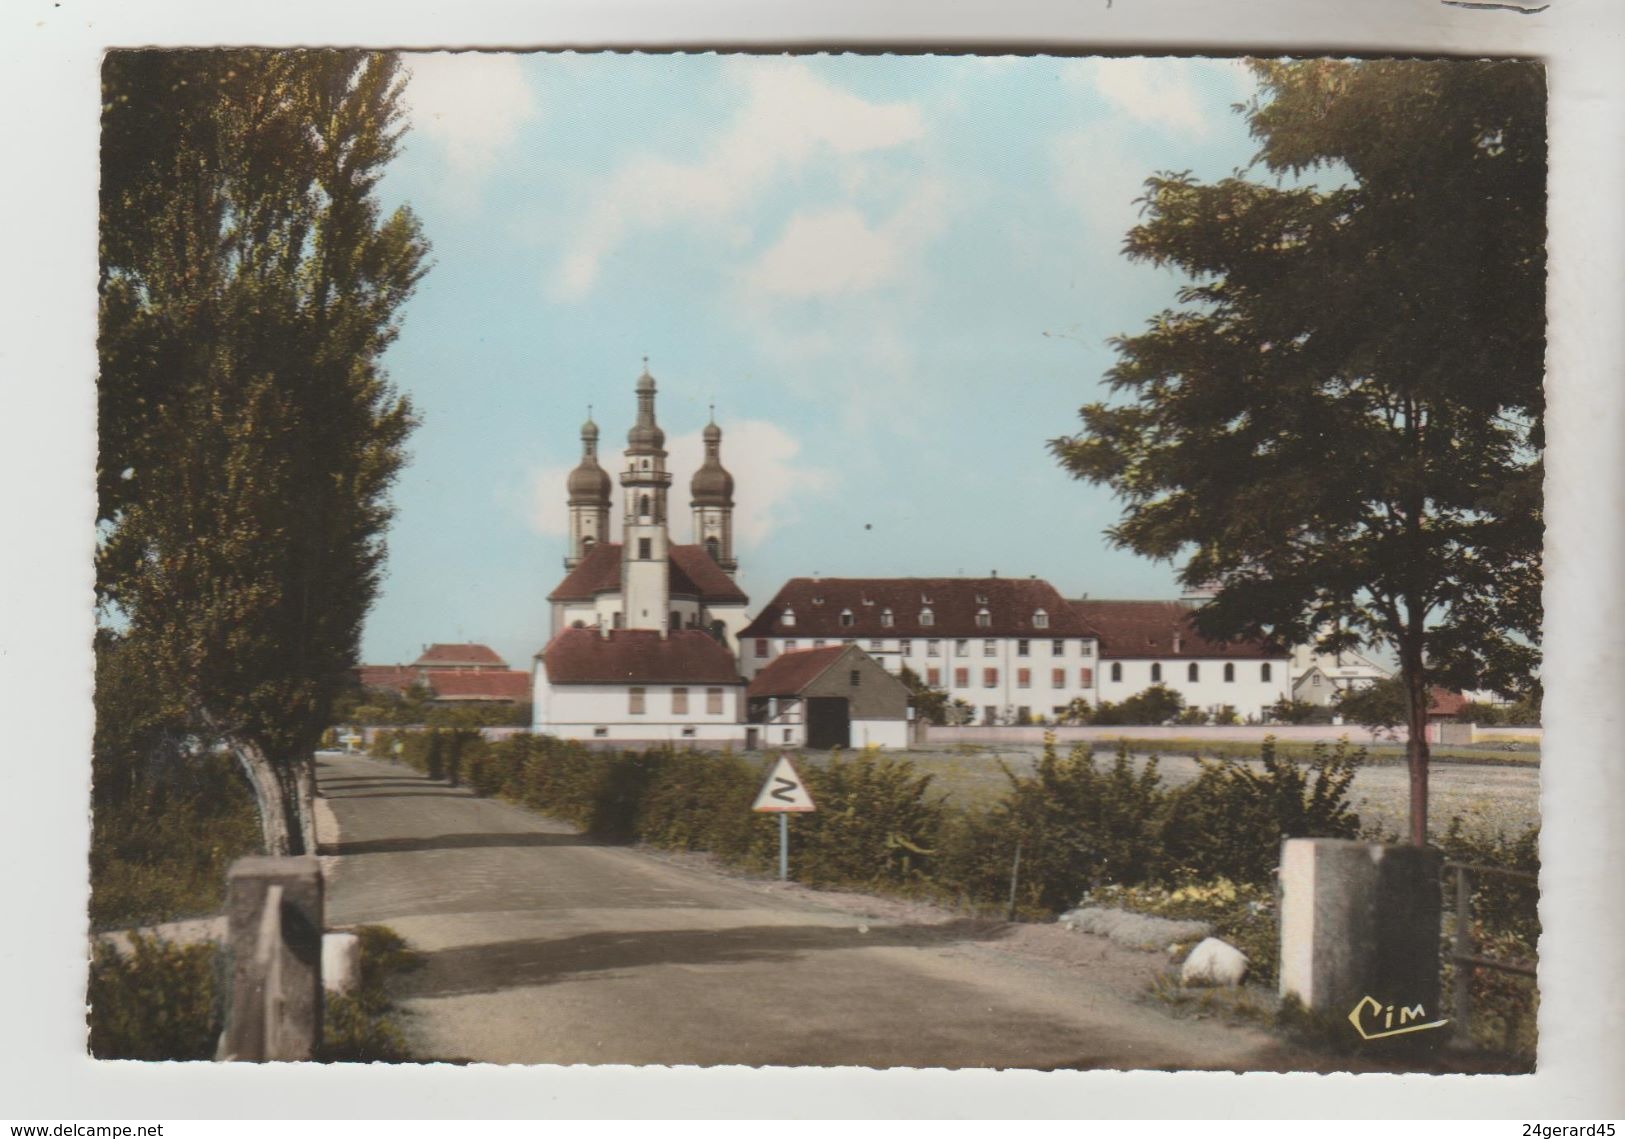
(452, 674)
(1144, 643)
(1011, 647)
(837, 696)
(642, 630)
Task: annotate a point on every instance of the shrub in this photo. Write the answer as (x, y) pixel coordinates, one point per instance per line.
(159, 1001)
(360, 1026)
(1242, 914)
(1078, 825)
(1154, 705)
(1230, 821)
(1299, 712)
(876, 823)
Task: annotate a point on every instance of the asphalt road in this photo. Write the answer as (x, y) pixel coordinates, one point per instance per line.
(543, 947)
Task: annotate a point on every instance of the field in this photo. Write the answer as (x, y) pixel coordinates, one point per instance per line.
(1493, 791)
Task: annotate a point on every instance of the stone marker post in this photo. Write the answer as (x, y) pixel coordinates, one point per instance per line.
(274, 933)
(1360, 932)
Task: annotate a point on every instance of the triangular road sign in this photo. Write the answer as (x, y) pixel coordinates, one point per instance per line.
(783, 791)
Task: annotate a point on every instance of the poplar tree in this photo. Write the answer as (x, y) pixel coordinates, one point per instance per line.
(250, 283)
(1340, 423)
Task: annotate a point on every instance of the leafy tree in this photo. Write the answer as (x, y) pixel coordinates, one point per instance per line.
(249, 285)
(933, 705)
(1291, 711)
(1340, 424)
(1381, 707)
(1155, 705)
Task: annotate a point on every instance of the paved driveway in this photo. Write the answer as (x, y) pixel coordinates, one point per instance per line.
(543, 947)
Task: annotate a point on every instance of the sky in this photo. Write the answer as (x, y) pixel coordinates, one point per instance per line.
(896, 279)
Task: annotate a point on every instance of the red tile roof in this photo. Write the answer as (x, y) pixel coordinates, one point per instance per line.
(459, 655)
(638, 656)
(397, 677)
(954, 603)
(1148, 630)
(692, 573)
(481, 684)
(791, 672)
(1443, 702)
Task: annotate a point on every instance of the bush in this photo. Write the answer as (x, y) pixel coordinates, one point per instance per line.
(1299, 712)
(1078, 826)
(360, 1026)
(159, 1001)
(1229, 822)
(1242, 914)
(875, 824)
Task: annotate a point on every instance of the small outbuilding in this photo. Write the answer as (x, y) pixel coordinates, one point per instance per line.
(831, 697)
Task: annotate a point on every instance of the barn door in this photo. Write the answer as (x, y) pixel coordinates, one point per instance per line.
(828, 724)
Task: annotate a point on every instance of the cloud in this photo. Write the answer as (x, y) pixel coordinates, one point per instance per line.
(770, 483)
(789, 117)
(1174, 94)
(470, 104)
(1091, 171)
(832, 251)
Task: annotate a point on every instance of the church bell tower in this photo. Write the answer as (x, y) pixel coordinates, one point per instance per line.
(589, 488)
(645, 552)
(712, 498)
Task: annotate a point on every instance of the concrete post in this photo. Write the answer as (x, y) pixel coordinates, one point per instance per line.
(1360, 931)
(274, 934)
(341, 962)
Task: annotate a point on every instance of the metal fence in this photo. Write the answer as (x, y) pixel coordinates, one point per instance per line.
(1464, 954)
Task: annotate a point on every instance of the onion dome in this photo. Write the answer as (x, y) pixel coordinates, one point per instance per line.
(589, 483)
(646, 435)
(712, 485)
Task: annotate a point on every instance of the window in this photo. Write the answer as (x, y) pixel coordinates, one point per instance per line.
(848, 641)
(1314, 680)
(713, 701)
(1057, 648)
(1156, 674)
(619, 619)
(1024, 714)
(1087, 648)
(788, 734)
(788, 617)
(962, 648)
(990, 648)
(643, 505)
(1040, 620)
(984, 619)
(789, 646)
(818, 644)
(990, 715)
(927, 617)
(933, 648)
(679, 701)
(1086, 676)
(854, 678)
(1057, 678)
(905, 646)
(688, 731)
(1264, 673)
(676, 620)
(990, 678)
(1230, 673)
(885, 619)
(1023, 648)
(1024, 678)
(846, 618)
(713, 549)
(933, 677)
(600, 733)
(981, 599)
(1193, 673)
(634, 701)
(645, 549)
(1117, 673)
(875, 646)
(761, 646)
(961, 678)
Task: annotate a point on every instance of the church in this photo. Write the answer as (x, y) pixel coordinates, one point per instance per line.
(645, 631)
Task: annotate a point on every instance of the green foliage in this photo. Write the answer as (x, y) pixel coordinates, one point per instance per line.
(159, 1001)
(1380, 707)
(361, 1026)
(1155, 705)
(1242, 914)
(1078, 825)
(1298, 712)
(933, 705)
(1231, 820)
(1330, 328)
(416, 707)
(249, 286)
(876, 823)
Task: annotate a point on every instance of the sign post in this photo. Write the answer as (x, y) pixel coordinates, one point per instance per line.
(784, 794)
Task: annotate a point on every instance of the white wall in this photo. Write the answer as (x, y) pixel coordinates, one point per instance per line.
(880, 733)
(1006, 696)
(579, 709)
(1249, 694)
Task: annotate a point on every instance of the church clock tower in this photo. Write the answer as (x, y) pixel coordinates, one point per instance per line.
(590, 488)
(645, 553)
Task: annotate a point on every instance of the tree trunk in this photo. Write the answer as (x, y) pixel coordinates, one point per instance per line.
(284, 794)
(1416, 748)
(305, 790)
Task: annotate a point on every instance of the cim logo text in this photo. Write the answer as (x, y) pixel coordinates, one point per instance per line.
(1373, 1020)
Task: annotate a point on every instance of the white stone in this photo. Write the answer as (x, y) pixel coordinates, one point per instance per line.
(341, 962)
(1214, 962)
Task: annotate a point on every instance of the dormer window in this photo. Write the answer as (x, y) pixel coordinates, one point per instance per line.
(1040, 619)
(788, 617)
(886, 618)
(818, 601)
(981, 599)
(925, 599)
(927, 617)
(984, 619)
(846, 617)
